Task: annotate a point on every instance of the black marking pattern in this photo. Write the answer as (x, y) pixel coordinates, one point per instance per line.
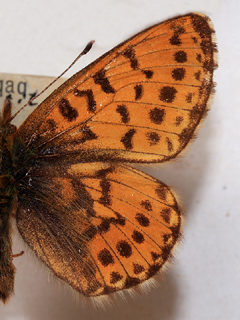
(88, 134)
(148, 73)
(129, 53)
(178, 74)
(175, 39)
(166, 238)
(123, 111)
(161, 192)
(127, 139)
(189, 97)
(165, 213)
(155, 255)
(50, 126)
(199, 57)
(168, 94)
(197, 75)
(101, 79)
(180, 56)
(142, 220)
(105, 257)
(137, 268)
(115, 277)
(138, 91)
(157, 115)
(124, 248)
(195, 40)
(102, 173)
(146, 204)
(90, 98)
(178, 121)
(105, 198)
(67, 111)
(138, 237)
(169, 144)
(153, 138)
(104, 226)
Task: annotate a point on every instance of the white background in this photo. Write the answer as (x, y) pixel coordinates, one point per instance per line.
(43, 37)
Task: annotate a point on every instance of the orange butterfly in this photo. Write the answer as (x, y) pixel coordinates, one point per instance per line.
(98, 223)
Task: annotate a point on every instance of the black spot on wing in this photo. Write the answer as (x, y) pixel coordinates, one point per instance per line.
(157, 115)
(146, 204)
(101, 79)
(129, 53)
(153, 138)
(178, 121)
(161, 192)
(138, 91)
(127, 139)
(167, 94)
(105, 257)
(90, 98)
(169, 144)
(166, 214)
(189, 97)
(180, 56)
(105, 199)
(199, 57)
(197, 75)
(155, 268)
(137, 268)
(178, 74)
(148, 73)
(195, 40)
(131, 282)
(102, 173)
(88, 134)
(124, 248)
(67, 111)
(104, 226)
(155, 255)
(138, 237)
(115, 277)
(166, 238)
(175, 40)
(142, 220)
(123, 111)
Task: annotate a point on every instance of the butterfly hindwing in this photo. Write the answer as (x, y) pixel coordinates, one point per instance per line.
(89, 204)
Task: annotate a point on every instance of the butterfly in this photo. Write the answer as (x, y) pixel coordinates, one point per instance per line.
(94, 220)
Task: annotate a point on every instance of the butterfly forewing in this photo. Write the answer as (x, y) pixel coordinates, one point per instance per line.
(140, 102)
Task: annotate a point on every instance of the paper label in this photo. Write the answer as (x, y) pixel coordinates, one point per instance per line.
(21, 89)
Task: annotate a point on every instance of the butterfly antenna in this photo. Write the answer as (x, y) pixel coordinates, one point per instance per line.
(85, 51)
(17, 254)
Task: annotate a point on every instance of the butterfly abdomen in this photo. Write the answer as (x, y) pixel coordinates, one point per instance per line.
(7, 190)
(12, 150)
(7, 269)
